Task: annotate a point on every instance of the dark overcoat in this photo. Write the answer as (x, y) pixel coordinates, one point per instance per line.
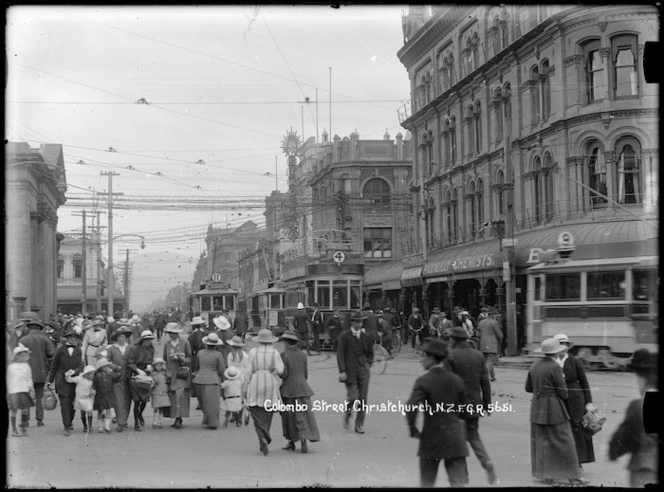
(42, 353)
(443, 434)
(354, 353)
(63, 362)
(547, 384)
(577, 388)
(295, 374)
(469, 364)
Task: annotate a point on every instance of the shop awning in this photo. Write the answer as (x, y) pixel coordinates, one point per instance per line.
(412, 277)
(272, 290)
(386, 276)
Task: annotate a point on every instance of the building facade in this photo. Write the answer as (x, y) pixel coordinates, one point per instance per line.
(528, 122)
(35, 184)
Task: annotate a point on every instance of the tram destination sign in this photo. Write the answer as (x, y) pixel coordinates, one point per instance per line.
(218, 286)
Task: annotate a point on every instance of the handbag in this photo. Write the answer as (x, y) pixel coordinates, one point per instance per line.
(182, 372)
(593, 421)
(49, 401)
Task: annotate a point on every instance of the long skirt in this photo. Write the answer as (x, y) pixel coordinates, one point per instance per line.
(122, 401)
(584, 444)
(299, 425)
(262, 422)
(553, 452)
(208, 395)
(179, 404)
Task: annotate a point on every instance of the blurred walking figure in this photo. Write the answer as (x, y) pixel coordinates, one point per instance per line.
(442, 436)
(208, 379)
(491, 337)
(20, 388)
(118, 356)
(334, 328)
(240, 325)
(631, 437)
(140, 362)
(301, 323)
(552, 448)
(102, 385)
(177, 356)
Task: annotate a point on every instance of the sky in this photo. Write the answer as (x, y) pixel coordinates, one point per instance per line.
(222, 84)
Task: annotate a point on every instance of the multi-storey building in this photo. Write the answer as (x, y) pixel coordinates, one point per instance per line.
(537, 119)
(35, 188)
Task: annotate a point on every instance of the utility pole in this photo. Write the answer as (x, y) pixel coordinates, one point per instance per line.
(84, 277)
(510, 288)
(111, 279)
(98, 230)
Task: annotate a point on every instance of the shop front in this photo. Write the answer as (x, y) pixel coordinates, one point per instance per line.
(382, 285)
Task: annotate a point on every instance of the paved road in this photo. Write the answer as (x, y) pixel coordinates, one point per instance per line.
(384, 456)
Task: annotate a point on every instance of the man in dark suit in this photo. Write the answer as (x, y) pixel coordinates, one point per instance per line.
(354, 357)
(301, 323)
(317, 326)
(439, 393)
(43, 351)
(371, 322)
(470, 366)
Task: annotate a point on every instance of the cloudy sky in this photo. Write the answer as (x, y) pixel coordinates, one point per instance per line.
(223, 85)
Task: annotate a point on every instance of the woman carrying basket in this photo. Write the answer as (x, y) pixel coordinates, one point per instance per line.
(139, 385)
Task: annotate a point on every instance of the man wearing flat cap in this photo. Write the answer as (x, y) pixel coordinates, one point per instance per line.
(354, 357)
(443, 435)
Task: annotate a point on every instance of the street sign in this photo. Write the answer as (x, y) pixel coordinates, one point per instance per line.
(339, 256)
(506, 271)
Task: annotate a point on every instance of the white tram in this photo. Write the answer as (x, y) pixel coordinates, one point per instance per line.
(212, 300)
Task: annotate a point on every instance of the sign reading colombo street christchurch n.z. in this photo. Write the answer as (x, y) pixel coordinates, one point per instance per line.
(464, 263)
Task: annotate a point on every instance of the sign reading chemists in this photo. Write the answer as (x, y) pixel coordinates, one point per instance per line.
(463, 263)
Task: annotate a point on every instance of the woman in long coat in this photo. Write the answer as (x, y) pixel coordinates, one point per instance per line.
(578, 402)
(297, 425)
(552, 449)
(118, 355)
(177, 354)
(263, 391)
(207, 383)
(67, 357)
(140, 362)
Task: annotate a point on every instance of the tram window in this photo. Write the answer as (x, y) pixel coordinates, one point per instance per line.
(355, 295)
(340, 294)
(274, 301)
(311, 292)
(538, 288)
(217, 303)
(205, 304)
(641, 281)
(230, 303)
(563, 287)
(323, 294)
(606, 285)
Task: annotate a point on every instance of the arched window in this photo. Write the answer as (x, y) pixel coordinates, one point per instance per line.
(430, 221)
(454, 206)
(468, 57)
(477, 115)
(504, 35)
(535, 109)
(476, 51)
(479, 202)
(596, 174)
(451, 70)
(444, 78)
(495, 35)
(548, 186)
(507, 101)
(428, 89)
(61, 265)
(498, 113)
(472, 209)
(628, 170)
(545, 88)
(376, 191)
(470, 126)
(537, 190)
(625, 75)
(421, 93)
(594, 71)
(449, 135)
(453, 143)
(500, 181)
(77, 262)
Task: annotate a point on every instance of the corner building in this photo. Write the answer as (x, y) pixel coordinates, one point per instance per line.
(530, 122)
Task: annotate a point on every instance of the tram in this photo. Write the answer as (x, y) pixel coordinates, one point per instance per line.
(215, 298)
(268, 310)
(332, 292)
(608, 307)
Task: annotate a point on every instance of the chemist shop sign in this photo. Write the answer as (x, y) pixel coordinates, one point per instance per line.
(463, 264)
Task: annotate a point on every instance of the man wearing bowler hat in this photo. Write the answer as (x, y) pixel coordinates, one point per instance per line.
(439, 394)
(469, 364)
(354, 357)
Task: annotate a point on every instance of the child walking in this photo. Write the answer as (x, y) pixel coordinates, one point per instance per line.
(232, 391)
(102, 385)
(160, 398)
(85, 397)
(20, 388)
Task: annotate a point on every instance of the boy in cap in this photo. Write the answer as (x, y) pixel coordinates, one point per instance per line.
(443, 434)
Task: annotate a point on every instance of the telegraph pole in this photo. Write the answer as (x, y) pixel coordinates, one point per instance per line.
(98, 228)
(84, 277)
(111, 279)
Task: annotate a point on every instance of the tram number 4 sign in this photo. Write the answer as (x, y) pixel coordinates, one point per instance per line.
(339, 256)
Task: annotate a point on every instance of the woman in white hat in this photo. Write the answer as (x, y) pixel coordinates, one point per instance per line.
(211, 367)
(263, 391)
(20, 387)
(297, 425)
(232, 391)
(579, 402)
(552, 448)
(239, 359)
(139, 362)
(177, 354)
(224, 332)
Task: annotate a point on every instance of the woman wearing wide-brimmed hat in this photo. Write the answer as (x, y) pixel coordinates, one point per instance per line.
(631, 437)
(552, 448)
(139, 362)
(579, 400)
(207, 383)
(263, 391)
(224, 332)
(199, 330)
(177, 354)
(296, 393)
(118, 355)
